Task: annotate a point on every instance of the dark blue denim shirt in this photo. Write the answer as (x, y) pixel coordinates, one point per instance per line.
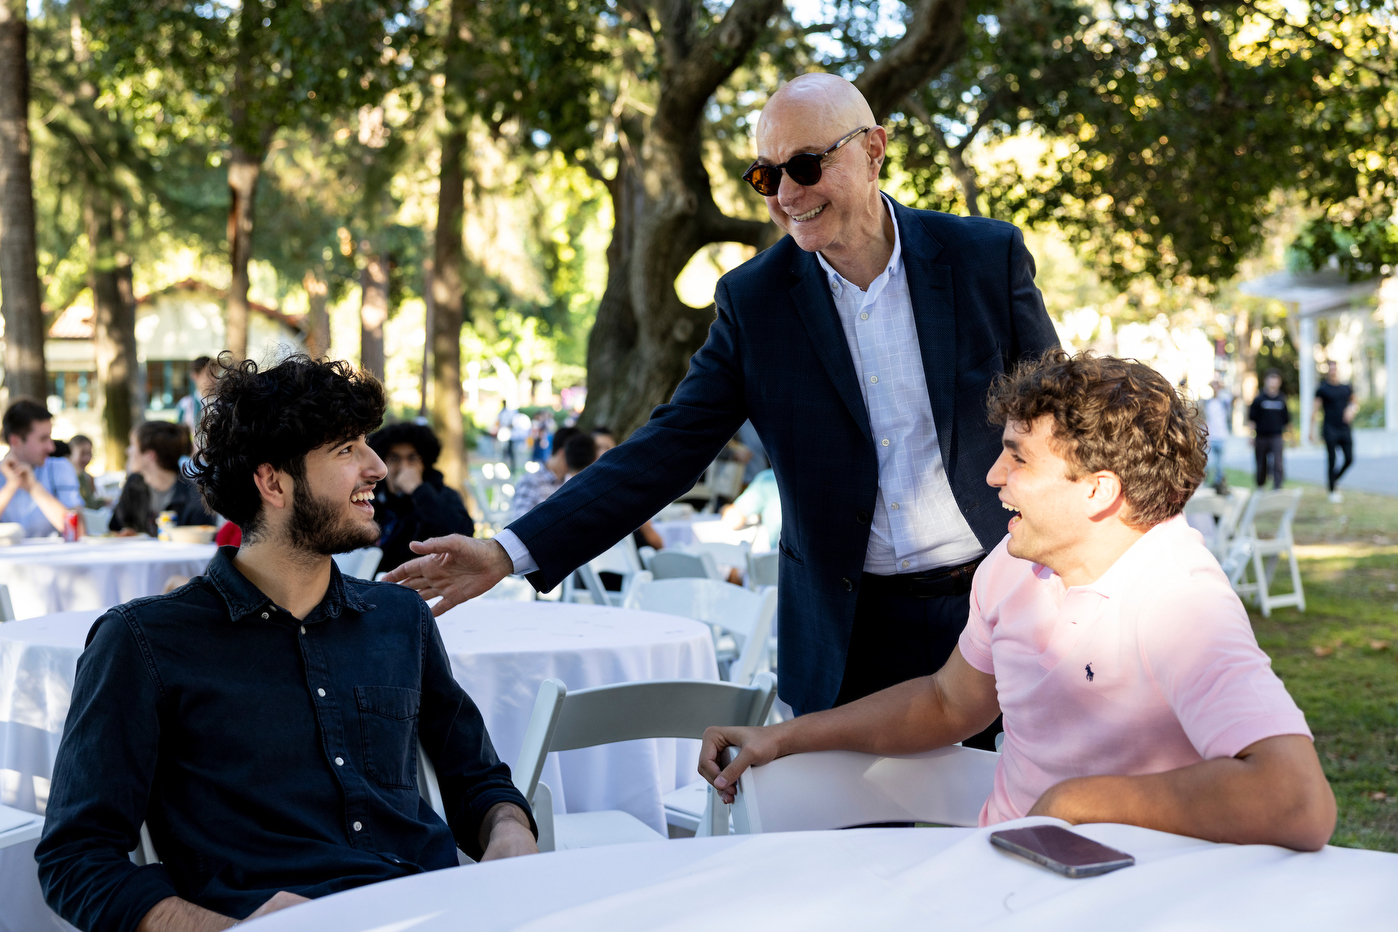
(264, 753)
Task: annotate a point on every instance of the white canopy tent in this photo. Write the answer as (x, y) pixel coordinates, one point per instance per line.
(1314, 294)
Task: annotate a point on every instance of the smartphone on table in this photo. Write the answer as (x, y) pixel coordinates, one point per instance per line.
(1062, 851)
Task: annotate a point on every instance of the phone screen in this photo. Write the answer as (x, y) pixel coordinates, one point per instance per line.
(1058, 849)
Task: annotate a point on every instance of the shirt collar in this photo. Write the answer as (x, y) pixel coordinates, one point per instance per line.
(1121, 575)
(244, 599)
(895, 261)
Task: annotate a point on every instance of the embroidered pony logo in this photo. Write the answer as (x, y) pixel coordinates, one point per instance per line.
(1089, 673)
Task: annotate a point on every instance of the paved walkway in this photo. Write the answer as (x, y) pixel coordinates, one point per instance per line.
(1368, 474)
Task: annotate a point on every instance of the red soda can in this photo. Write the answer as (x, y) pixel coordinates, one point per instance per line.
(71, 528)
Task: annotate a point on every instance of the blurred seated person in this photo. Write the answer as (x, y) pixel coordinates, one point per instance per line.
(533, 487)
(39, 487)
(155, 484)
(1131, 684)
(606, 440)
(80, 455)
(760, 501)
(413, 503)
(264, 719)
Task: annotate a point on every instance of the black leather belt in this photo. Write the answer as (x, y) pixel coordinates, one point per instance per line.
(934, 584)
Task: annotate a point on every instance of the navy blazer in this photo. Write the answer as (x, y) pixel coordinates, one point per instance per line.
(777, 354)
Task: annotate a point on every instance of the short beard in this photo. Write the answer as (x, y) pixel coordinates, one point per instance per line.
(314, 529)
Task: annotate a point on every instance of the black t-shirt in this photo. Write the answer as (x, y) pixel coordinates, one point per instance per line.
(1334, 399)
(1269, 414)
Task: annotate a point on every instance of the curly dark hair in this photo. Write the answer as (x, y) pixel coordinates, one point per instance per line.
(275, 416)
(420, 436)
(1113, 414)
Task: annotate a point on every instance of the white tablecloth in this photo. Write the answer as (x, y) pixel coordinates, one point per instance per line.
(870, 879)
(501, 651)
(46, 577)
(707, 529)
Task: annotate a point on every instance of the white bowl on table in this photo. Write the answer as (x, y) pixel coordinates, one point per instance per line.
(11, 533)
(193, 533)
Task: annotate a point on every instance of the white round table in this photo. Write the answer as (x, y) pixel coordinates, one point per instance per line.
(49, 576)
(501, 651)
(706, 529)
(874, 879)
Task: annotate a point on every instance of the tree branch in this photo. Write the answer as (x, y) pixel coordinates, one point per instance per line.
(687, 84)
(934, 39)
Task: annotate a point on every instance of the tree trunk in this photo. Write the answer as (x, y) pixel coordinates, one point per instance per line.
(448, 308)
(20, 297)
(109, 275)
(317, 316)
(373, 312)
(243, 171)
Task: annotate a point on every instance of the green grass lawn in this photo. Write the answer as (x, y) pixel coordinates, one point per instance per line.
(1339, 658)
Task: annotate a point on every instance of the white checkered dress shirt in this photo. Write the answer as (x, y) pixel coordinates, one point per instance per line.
(917, 525)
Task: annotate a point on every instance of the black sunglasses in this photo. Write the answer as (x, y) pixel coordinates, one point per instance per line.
(804, 169)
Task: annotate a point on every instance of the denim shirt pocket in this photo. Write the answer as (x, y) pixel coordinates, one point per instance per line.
(387, 728)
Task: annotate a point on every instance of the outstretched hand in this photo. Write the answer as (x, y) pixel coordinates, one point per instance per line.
(756, 746)
(454, 567)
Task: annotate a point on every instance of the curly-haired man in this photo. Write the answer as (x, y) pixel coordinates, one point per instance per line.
(263, 719)
(1131, 684)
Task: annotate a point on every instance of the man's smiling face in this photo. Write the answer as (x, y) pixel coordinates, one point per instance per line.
(1050, 509)
(824, 216)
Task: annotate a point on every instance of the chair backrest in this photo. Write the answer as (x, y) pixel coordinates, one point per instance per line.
(1206, 502)
(510, 589)
(729, 554)
(1261, 504)
(360, 563)
(746, 615)
(562, 721)
(673, 564)
(762, 569)
(7, 608)
(839, 789)
(622, 558)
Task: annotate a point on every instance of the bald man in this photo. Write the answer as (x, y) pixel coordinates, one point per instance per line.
(861, 346)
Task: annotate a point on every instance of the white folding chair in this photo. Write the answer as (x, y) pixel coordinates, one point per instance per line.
(360, 563)
(622, 558)
(841, 789)
(762, 569)
(728, 554)
(562, 721)
(427, 788)
(7, 608)
(17, 826)
(676, 564)
(1249, 549)
(746, 616)
(510, 589)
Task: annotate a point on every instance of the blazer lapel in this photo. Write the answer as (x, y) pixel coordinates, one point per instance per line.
(816, 310)
(934, 313)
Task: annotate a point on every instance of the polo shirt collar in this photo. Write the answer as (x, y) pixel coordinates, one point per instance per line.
(244, 599)
(1122, 575)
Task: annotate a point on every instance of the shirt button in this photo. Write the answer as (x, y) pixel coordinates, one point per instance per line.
(264, 614)
(320, 692)
(358, 826)
(873, 378)
(864, 316)
(894, 506)
(905, 564)
(884, 441)
(339, 762)
(303, 629)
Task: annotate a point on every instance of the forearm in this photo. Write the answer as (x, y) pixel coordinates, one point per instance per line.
(7, 494)
(176, 915)
(54, 510)
(904, 719)
(507, 828)
(1234, 800)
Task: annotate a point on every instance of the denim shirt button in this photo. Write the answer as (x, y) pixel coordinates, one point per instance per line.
(358, 826)
(264, 615)
(303, 629)
(321, 692)
(339, 762)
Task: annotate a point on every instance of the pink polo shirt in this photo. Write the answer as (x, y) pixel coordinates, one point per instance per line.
(1152, 667)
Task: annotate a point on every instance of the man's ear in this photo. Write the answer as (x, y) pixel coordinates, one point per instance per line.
(273, 485)
(1104, 497)
(877, 149)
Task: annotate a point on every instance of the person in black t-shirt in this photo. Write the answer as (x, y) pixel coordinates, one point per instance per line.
(1269, 417)
(1336, 400)
(414, 502)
